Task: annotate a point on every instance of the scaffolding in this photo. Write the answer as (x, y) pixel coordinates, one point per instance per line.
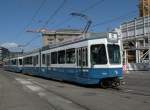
(135, 37)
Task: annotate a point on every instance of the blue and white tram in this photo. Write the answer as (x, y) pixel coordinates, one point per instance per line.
(14, 64)
(95, 59)
(32, 63)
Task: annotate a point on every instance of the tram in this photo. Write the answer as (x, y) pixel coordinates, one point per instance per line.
(13, 64)
(88, 59)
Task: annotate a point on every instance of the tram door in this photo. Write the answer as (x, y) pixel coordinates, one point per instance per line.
(35, 64)
(47, 62)
(82, 60)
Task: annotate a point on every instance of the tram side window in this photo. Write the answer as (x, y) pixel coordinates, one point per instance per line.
(20, 61)
(82, 57)
(61, 57)
(43, 59)
(54, 58)
(85, 57)
(70, 56)
(47, 59)
(28, 60)
(98, 54)
(114, 54)
(35, 60)
(14, 62)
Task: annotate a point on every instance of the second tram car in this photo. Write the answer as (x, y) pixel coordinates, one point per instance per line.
(14, 64)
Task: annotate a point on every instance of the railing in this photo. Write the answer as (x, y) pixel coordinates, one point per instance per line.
(135, 28)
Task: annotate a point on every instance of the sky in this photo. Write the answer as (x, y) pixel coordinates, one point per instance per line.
(18, 16)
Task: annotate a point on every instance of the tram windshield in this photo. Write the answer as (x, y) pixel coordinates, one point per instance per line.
(98, 54)
(114, 54)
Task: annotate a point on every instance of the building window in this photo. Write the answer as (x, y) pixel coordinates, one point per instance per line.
(54, 58)
(70, 55)
(61, 57)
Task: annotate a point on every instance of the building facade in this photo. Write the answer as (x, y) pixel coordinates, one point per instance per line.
(3, 54)
(135, 36)
(51, 37)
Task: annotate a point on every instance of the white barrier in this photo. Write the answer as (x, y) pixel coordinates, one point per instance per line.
(137, 66)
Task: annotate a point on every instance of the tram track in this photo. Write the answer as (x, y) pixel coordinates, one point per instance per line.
(121, 90)
(62, 97)
(118, 89)
(131, 91)
(73, 97)
(83, 107)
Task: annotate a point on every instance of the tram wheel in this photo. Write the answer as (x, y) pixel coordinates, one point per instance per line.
(104, 84)
(116, 83)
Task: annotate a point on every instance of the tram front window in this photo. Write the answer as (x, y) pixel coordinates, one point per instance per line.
(114, 54)
(98, 54)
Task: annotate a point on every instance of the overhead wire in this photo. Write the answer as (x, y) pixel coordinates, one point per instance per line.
(124, 16)
(115, 18)
(32, 19)
(29, 42)
(99, 2)
(93, 6)
(50, 18)
(68, 19)
(36, 13)
(55, 12)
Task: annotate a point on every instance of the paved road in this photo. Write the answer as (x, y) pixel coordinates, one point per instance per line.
(138, 82)
(22, 92)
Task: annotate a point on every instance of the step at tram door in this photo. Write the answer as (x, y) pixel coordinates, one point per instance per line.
(82, 61)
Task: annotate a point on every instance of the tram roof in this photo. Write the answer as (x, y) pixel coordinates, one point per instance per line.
(83, 37)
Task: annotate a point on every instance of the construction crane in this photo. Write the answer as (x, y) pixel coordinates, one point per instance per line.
(38, 31)
(143, 7)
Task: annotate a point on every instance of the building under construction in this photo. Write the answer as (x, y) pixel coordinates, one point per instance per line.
(144, 8)
(135, 36)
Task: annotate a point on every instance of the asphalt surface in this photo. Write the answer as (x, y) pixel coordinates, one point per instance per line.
(23, 92)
